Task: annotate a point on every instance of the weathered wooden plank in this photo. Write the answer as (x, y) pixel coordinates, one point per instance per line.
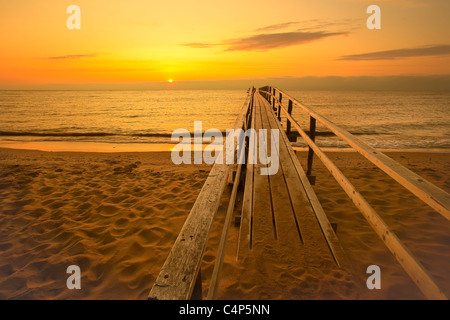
(263, 230)
(215, 278)
(435, 197)
(218, 265)
(310, 231)
(334, 244)
(244, 242)
(288, 234)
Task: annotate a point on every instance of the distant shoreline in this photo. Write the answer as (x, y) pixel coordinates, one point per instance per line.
(411, 83)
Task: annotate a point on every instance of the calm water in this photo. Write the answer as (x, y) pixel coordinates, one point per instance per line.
(392, 120)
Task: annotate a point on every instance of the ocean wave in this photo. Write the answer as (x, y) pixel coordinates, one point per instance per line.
(54, 134)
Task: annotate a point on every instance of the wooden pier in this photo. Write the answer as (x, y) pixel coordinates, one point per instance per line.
(280, 208)
(281, 215)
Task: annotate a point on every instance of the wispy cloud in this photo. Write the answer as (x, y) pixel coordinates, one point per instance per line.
(298, 32)
(73, 56)
(405, 3)
(278, 26)
(436, 50)
(267, 41)
(312, 25)
(337, 25)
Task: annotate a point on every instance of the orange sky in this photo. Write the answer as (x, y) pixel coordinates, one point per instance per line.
(141, 40)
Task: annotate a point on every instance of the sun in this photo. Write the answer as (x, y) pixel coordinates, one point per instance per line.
(170, 80)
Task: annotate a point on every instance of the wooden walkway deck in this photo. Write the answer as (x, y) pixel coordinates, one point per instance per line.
(285, 238)
(282, 218)
(277, 212)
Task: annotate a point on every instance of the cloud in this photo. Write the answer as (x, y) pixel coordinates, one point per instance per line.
(435, 50)
(337, 25)
(73, 56)
(312, 25)
(267, 41)
(277, 26)
(405, 3)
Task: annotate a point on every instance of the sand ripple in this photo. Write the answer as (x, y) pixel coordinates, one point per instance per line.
(115, 216)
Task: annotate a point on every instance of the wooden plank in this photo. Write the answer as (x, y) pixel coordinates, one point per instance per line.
(410, 264)
(263, 229)
(435, 197)
(178, 276)
(288, 235)
(215, 278)
(244, 242)
(310, 231)
(334, 244)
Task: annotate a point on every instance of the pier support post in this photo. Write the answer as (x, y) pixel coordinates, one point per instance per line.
(312, 135)
(288, 124)
(279, 107)
(273, 99)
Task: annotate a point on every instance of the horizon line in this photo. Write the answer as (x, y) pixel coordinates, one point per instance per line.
(433, 82)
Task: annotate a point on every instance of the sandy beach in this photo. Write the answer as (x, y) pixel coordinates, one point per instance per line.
(116, 215)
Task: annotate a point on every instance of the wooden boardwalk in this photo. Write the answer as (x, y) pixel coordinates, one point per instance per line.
(286, 242)
(276, 208)
(282, 218)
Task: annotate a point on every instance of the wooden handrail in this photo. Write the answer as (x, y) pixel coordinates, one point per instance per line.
(180, 271)
(411, 265)
(218, 265)
(435, 197)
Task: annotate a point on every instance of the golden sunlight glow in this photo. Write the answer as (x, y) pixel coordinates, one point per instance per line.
(124, 44)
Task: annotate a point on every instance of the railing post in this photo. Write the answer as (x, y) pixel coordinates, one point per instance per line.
(312, 135)
(279, 107)
(273, 99)
(288, 123)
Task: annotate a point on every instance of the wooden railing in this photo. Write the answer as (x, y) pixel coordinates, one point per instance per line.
(180, 277)
(427, 192)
